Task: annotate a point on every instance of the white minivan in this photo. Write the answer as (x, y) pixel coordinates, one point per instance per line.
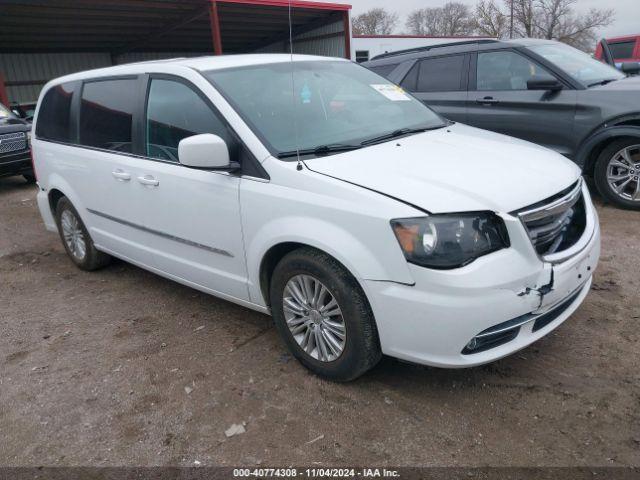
(311, 189)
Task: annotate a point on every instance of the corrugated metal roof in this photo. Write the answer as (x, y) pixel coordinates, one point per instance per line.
(31, 71)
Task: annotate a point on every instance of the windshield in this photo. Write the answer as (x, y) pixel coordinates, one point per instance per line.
(4, 111)
(577, 64)
(333, 103)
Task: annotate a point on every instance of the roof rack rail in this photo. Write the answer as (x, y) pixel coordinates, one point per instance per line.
(429, 47)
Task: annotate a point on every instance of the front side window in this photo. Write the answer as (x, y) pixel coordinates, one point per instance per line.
(443, 74)
(106, 114)
(54, 119)
(306, 104)
(507, 70)
(579, 65)
(174, 112)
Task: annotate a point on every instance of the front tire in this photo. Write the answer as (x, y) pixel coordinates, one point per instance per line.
(617, 173)
(76, 239)
(323, 315)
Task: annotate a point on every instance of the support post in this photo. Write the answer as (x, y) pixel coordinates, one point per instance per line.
(214, 20)
(4, 97)
(347, 35)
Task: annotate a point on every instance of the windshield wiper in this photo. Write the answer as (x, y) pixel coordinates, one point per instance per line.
(602, 82)
(321, 150)
(399, 133)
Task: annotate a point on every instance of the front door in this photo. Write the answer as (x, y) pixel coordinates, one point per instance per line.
(194, 215)
(500, 101)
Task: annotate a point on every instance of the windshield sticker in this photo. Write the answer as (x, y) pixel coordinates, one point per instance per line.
(305, 93)
(392, 92)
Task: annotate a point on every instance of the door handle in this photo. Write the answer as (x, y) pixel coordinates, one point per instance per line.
(487, 101)
(148, 180)
(121, 175)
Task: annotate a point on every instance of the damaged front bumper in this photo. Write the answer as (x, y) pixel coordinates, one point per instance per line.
(446, 318)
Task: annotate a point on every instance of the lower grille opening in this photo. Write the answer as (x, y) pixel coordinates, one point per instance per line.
(546, 318)
(506, 331)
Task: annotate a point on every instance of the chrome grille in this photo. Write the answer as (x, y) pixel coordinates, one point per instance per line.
(556, 223)
(13, 142)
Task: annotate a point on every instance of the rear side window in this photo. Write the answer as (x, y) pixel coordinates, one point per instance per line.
(442, 74)
(384, 70)
(54, 119)
(622, 49)
(174, 112)
(106, 114)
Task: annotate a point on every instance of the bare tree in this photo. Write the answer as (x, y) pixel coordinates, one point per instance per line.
(490, 21)
(452, 19)
(557, 20)
(376, 21)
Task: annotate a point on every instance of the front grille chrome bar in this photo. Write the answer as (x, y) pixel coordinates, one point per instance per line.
(558, 206)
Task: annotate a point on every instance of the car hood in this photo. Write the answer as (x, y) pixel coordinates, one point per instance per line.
(454, 169)
(12, 124)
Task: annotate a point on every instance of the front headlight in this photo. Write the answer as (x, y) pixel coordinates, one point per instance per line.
(450, 241)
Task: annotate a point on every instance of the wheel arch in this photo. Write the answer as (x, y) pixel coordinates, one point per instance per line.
(54, 195)
(594, 145)
(274, 240)
(57, 188)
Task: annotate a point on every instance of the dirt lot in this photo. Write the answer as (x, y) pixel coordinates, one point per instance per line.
(94, 369)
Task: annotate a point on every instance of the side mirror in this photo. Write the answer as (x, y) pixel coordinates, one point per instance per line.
(543, 83)
(206, 151)
(630, 68)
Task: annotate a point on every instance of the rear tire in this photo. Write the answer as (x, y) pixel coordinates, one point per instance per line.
(29, 177)
(617, 173)
(332, 356)
(76, 239)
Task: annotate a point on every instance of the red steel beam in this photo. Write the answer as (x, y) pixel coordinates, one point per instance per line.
(4, 97)
(214, 20)
(293, 3)
(347, 35)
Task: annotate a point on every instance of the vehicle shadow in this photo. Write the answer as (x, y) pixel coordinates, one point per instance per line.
(14, 184)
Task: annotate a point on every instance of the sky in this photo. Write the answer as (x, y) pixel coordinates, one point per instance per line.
(627, 12)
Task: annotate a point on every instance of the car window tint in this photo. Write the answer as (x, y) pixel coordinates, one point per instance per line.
(443, 74)
(622, 49)
(55, 113)
(507, 71)
(384, 70)
(174, 112)
(106, 114)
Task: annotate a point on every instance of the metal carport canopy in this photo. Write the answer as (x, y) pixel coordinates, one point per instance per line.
(122, 26)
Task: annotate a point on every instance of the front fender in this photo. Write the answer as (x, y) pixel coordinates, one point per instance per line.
(356, 256)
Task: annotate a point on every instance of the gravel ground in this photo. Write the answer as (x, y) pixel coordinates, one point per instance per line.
(122, 367)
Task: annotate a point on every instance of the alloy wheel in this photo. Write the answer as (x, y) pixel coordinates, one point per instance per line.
(73, 235)
(314, 318)
(623, 173)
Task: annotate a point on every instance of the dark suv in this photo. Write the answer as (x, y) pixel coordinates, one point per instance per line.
(15, 153)
(538, 90)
